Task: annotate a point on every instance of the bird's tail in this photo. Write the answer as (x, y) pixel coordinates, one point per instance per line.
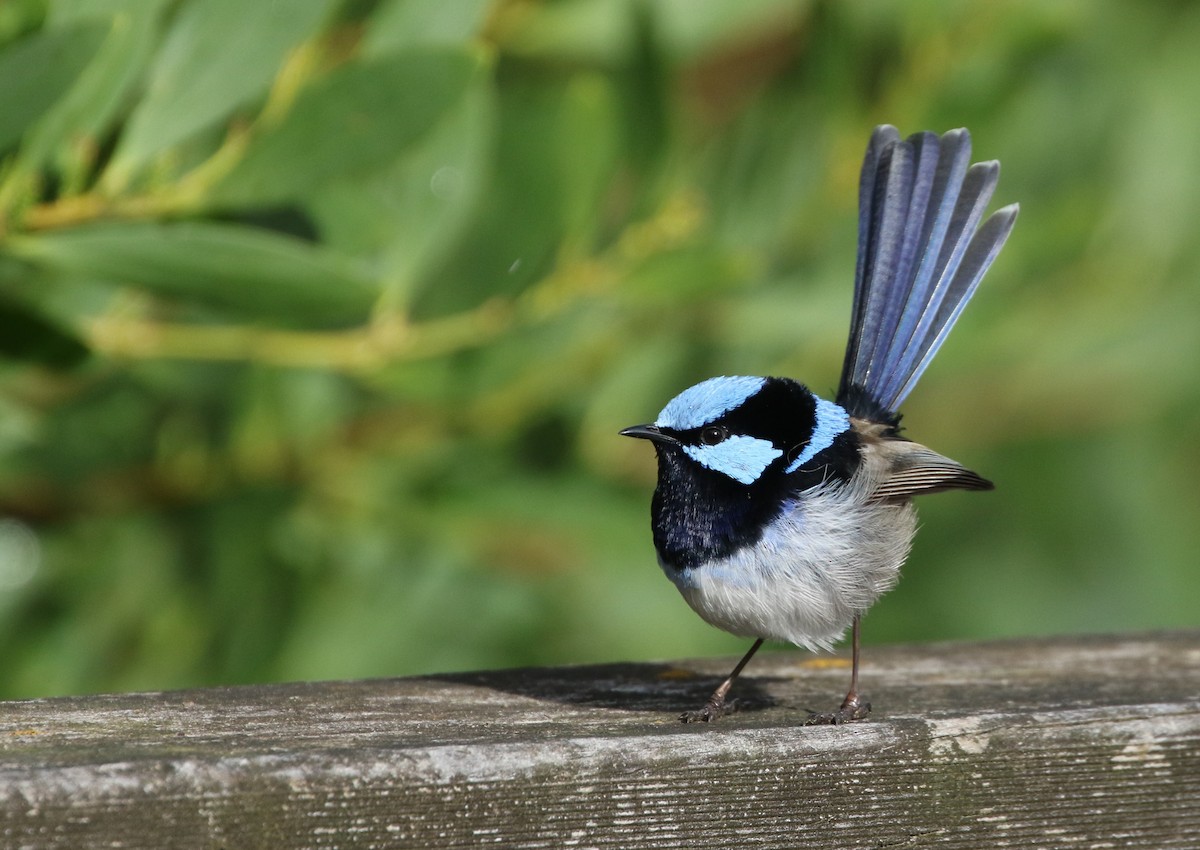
(921, 254)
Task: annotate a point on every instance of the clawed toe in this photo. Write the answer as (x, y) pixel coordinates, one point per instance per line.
(854, 708)
(711, 711)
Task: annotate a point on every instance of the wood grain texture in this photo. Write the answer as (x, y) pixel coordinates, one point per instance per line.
(1076, 742)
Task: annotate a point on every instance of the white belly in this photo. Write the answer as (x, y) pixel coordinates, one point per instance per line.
(827, 560)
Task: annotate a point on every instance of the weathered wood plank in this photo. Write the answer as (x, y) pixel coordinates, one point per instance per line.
(1062, 743)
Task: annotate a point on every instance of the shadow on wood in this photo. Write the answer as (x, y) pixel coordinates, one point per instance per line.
(655, 688)
(1067, 742)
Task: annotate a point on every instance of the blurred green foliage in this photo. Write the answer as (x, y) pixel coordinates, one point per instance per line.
(318, 319)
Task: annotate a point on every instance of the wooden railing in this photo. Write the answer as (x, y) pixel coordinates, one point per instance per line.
(1066, 742)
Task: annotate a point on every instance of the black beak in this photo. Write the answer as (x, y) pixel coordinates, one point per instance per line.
(648, 432)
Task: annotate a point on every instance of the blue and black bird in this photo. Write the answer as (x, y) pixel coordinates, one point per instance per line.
(783, 516)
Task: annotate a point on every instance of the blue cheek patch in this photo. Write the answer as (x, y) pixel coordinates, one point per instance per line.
(741, 458)
(705, 402)
(832, 421)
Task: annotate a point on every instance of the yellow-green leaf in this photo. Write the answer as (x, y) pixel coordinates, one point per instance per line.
(245, 271)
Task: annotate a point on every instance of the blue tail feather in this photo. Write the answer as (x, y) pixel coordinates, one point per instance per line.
(921, 255)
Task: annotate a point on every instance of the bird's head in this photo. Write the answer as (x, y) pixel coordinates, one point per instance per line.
(747, 430)
(733, 452)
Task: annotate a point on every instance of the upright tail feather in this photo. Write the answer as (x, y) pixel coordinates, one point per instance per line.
(921, 255)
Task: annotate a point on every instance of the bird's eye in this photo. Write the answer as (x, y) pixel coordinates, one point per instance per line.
(713, 434)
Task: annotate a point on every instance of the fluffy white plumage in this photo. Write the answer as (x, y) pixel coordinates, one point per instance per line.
(826, 560)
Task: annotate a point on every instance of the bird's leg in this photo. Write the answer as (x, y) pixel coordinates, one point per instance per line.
(716, 705)
(854, 706)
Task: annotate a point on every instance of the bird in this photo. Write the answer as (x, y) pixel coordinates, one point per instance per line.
(781, 515)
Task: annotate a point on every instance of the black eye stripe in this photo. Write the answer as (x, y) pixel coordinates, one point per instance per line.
(783, 413)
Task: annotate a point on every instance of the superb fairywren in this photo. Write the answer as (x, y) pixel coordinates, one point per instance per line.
(782, 516)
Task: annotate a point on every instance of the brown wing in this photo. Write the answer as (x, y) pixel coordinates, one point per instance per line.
(914, 470)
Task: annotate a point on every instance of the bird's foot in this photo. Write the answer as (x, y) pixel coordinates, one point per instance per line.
(853, 708)
(712, 710)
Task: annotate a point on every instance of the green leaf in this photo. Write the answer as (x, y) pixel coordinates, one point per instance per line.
(246, 271)
(59, 14)
(433, 192)
(101, 87)
(587, 154)
(403, 24)
(688, 29)
(583, 31)
(38, 70)
(27, 335)
(410, 214)
(218, 56)
(354, 122)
